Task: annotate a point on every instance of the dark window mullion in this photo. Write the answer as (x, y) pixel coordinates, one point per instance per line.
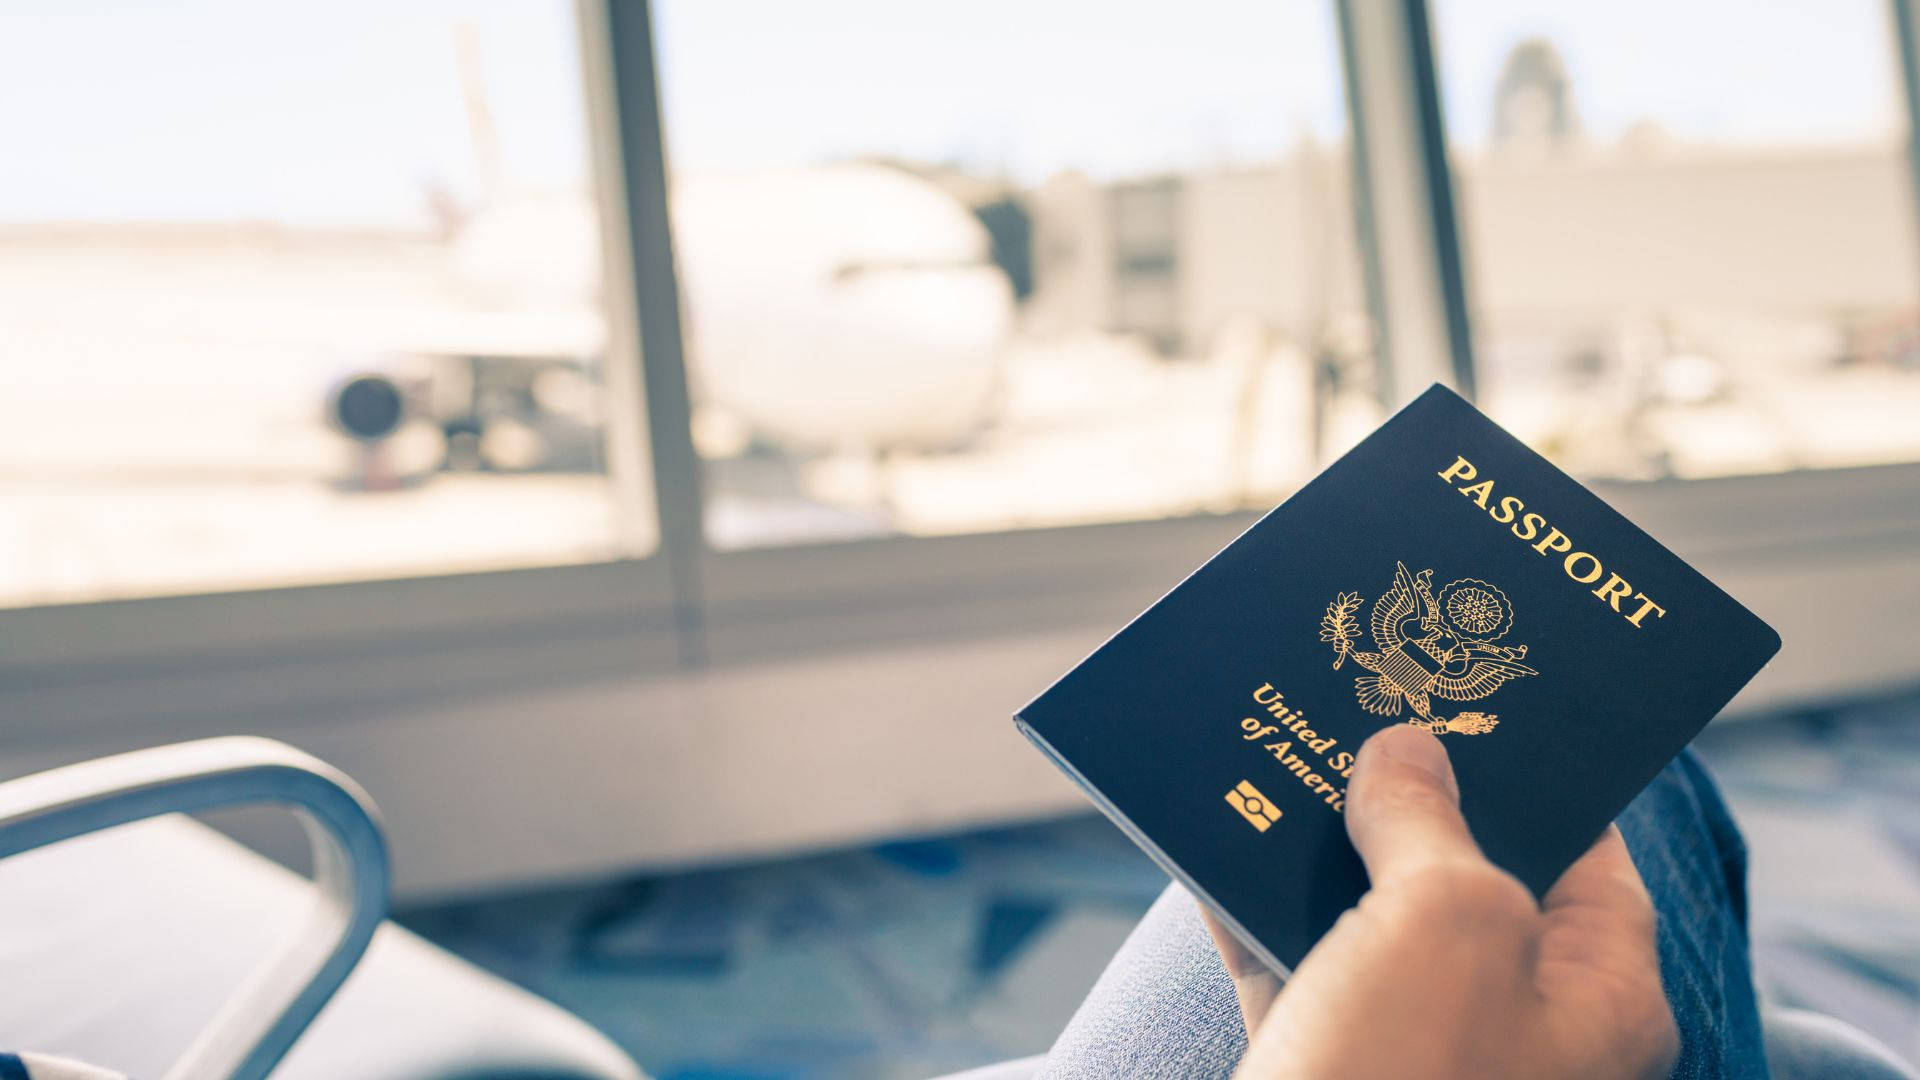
(678, 491)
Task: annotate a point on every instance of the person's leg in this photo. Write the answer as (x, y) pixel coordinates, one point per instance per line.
(1165, 1006)
(1690, 854)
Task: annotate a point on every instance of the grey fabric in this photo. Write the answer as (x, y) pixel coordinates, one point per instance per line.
(117, 948)
(1804, 1045)
(1165, 1006)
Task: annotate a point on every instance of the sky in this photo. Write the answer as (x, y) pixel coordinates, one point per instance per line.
(349, 113)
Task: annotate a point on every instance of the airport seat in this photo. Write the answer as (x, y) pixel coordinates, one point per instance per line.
(120, 944)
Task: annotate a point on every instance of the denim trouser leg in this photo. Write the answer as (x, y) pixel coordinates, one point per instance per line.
(1690, 854)
(1165, 1006)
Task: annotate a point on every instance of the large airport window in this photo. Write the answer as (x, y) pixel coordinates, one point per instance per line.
(956, 268)
(1689, 231)
(298, 294)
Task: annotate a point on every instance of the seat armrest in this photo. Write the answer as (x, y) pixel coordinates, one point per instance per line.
(270, 1009)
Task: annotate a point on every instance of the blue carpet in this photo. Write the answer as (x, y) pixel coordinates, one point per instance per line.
(1829, 800)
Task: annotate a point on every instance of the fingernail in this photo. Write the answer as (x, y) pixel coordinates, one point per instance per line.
(1417, 749)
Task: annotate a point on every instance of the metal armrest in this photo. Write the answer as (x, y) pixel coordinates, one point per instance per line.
(258, 1024)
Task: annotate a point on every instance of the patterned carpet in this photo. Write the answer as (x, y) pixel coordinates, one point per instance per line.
(1830, 803)
(913, 959)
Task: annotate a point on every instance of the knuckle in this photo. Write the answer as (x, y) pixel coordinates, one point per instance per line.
(1642, 1021)
(1642, 930)
(1356, 919)
(1470, 895)
(1352, 916)
(1422, 798)
(1641, 918)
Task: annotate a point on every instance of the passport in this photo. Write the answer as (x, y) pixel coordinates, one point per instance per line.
(1439, 574)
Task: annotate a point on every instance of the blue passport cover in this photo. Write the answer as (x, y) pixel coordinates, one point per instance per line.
(1440, 574)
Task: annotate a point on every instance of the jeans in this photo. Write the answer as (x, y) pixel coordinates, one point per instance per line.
(1166, 1008)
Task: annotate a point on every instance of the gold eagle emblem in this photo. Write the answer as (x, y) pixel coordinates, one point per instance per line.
(1431, 645)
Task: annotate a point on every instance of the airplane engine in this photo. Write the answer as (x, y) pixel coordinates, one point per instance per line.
(366, 407)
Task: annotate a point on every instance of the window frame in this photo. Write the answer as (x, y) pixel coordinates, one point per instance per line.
(1414, 277)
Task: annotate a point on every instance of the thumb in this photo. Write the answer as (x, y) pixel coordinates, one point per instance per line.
(1403, 805)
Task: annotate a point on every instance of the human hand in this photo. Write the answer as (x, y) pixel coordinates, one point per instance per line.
(1447, 968)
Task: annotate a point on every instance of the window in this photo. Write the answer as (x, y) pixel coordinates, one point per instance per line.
(950, 269)
(1689, 231)
(299, 295)
(969, 267)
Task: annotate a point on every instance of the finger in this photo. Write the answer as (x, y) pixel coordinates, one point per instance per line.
(1254, 983)
(1600, 942)
(1602, 891)
(1604, 877)
(1403, 806)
